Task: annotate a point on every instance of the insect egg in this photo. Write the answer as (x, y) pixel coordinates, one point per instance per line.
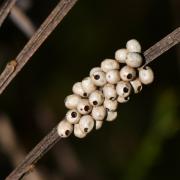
(84, 107)
(127, 73)
(109, 64)
(121, 55)
(134, 60)
(136, 85)
(146, 75)
(78, 90)
(86, 123)
(64, 128)
(98, 113)
(133, 46)
(111, 115)
(99, 78)
(113, 76)
(72, 101)
(73, 116)
(110, 105)
(78, 132)
(88, 85)
(109, 92)
(123, 88)
(96, 98)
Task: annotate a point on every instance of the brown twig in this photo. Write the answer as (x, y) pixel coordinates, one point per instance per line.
(162, 46)
(68, 157)
(52, 138)
(18, 17)
(5, 9)
(12, 148)
(56, 16)
(37, 153)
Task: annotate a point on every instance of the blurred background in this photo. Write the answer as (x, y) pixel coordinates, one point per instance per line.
(143, 143)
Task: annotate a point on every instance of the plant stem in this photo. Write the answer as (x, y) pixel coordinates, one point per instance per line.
(51, 22)
(162, 46)
(5, 9)
(27, 165)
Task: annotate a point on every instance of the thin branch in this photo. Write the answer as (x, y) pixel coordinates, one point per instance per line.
(52, 138)
(162, 46)
(56, 16)
(5, 9)
(37, 153)
(18, 16)
(67, 158)
(12, 148)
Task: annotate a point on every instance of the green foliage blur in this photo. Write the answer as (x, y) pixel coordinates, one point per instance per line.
(144, 142)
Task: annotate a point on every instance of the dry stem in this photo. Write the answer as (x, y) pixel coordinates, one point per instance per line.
(12, 148)
(5, 9)
(162, 46)
(56, 16)
(27, 165)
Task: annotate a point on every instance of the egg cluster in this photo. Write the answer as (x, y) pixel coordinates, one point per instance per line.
(96, 97)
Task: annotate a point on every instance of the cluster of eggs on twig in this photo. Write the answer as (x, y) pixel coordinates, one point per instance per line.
(96, 97)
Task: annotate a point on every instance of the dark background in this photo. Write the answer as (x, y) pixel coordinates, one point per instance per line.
(144, 142)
